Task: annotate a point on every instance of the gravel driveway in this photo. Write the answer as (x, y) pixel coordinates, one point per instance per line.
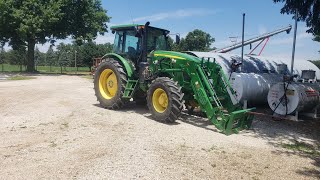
(51, 127)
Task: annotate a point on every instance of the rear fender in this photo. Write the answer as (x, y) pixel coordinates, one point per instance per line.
(127, 66)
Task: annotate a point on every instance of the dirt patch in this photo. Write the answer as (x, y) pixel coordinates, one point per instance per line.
(52, 128)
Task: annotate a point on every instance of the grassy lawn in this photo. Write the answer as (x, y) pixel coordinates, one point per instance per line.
(11, 68)
(313, 150)
(44, 69)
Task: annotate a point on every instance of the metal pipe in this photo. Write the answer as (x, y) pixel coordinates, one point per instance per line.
(294, 41)
(145, 41)
(252, 40)
(75, 61)
(242, 43)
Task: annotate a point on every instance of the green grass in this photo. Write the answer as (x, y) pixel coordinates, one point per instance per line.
(13, 78)
(303, 148)
(54, 69)
(44, 69)
(11, 68)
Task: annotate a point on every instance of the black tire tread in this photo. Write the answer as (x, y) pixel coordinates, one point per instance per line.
(118, 101)
(176, 99)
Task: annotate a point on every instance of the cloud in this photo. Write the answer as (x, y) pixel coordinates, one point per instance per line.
(44, 47)
(182, 13)
(106, 38)
(222, 43)
(262, 30)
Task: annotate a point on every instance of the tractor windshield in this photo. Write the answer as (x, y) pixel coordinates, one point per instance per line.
(125, 42)
(156, 40)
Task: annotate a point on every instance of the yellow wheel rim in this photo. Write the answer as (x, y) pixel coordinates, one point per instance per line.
(108, 84)
(160, 100)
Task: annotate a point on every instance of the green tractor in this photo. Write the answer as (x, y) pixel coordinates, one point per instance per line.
(142, 69)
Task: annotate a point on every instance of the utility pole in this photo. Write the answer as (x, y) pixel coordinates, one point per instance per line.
(294, 40)
(75, 61)
(242, 48)
(1, 59)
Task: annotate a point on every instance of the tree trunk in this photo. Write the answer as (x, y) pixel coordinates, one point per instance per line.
(30, 55)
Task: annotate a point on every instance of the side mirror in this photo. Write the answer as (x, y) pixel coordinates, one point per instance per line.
(177, 39)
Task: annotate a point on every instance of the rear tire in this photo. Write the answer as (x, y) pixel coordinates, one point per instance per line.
(165, 100)
(109, 84)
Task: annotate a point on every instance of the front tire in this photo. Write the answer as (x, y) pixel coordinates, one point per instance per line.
(165, 100)
(109, 84)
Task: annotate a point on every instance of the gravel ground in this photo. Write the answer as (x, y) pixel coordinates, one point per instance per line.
(52, 127)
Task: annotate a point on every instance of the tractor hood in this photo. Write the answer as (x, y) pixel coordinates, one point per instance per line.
(175, 55)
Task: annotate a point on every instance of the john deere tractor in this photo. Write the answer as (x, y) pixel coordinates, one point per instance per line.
(141, 68)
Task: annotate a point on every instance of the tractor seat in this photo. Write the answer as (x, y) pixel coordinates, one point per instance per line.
(132, 52)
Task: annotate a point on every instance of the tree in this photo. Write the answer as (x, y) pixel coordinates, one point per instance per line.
(27, 22)
(316, 38)
(196, 40)
(317, 63)
(67, 50)
(308, 10)
(39, 57)
(172, 46)
(15, 57)
(92, 50)
(51, 58)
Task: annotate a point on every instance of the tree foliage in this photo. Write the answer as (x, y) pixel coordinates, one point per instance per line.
(308, 10)
(91, 50)
(196, 40)
(27, 22)
(64, 55)
(317, 63)
(316, 38)
(51, 57)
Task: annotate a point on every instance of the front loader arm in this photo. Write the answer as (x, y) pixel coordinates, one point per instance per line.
(210, 88)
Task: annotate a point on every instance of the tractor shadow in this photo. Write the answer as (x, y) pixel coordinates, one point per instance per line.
(143, 110)
(197, 120)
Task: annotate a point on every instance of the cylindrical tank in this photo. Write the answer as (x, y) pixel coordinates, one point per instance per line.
(300, 97)
(257, 64)
(253, 87)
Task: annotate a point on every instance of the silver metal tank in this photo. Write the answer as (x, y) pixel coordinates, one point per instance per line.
(300, 97)
(257, 64)
(253, 87)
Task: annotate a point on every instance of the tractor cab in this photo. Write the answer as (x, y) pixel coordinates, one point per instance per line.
(135, 41)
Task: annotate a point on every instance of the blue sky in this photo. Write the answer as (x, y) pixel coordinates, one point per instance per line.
(221, 19)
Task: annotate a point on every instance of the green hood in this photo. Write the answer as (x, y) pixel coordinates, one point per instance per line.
(176, 55)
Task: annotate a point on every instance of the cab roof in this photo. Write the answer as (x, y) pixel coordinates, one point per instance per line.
(131, 26)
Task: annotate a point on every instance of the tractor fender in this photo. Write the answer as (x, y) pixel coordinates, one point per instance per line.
(127, 66)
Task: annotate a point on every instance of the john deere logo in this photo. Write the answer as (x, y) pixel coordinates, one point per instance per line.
(110, 84)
